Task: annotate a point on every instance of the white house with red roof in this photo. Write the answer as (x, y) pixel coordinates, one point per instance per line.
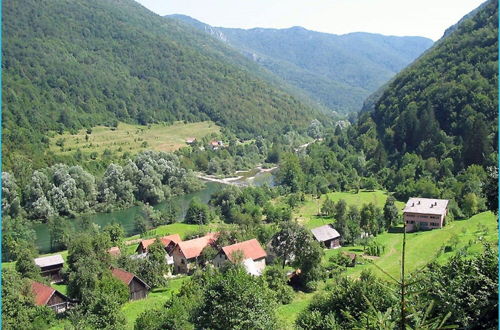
(252, 254)
(185, 253)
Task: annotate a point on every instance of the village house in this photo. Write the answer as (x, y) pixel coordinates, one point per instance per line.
(47, 296)
(216, 144)
(169, 242)
(425, 213)
(138, 288)
(327, 235)
(50, 267)
(190, 140)
(252, 253)
(185, 253)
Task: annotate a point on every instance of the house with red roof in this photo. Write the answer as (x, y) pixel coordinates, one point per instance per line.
(186, 253)
(168, 242)
(50, 297)
(138, 288)
(251, 252)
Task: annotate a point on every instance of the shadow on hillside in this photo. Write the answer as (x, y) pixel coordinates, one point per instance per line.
(395, 230)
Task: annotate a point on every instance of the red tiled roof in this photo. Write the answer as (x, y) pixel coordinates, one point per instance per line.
(122, 275)
(251, 249)
(165, 240)
(193, 248)
(42, 293)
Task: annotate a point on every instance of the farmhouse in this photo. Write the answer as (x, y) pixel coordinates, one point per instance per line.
(187, 252)
(253, 256)
(168, 241)
(138, 288)
(50, 267)
(190, 140)
(425, 213)
(47, 296)
(327, 235)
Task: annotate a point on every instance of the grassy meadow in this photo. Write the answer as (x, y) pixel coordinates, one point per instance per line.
(131, 138)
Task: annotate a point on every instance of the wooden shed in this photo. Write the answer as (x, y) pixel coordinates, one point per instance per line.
(47, 296)
(138, 288)
(50, 267)
(327, 235)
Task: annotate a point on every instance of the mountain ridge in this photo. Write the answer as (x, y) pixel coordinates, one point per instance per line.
(339, 71)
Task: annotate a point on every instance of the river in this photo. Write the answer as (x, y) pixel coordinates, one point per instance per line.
(126, 217)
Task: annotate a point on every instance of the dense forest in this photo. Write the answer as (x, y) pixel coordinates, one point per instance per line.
(73, 64)
(338, 71)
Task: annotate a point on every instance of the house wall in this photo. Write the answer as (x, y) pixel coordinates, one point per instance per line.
(260, 264)
(137, 290)
(52, 272)
(181, 265)
(58, 303)
(415, 221)
(219, 259)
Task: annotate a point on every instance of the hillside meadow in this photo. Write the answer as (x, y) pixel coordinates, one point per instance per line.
(130, 138)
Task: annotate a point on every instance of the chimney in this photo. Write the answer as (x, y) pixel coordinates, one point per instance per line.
(412, 204)
(418, 203)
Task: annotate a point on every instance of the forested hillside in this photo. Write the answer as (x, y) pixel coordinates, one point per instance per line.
(73, 64)
(338, 71)
(445, 105)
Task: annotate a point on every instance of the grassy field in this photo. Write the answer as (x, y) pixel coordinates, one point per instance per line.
(155, 299)
(131, 138)
(307, 213)
(421, 248)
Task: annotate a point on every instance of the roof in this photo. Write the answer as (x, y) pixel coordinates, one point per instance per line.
(165, 240)
(125, 277)
(115, 250)
(192, 248)
(325, 233)
(426, 206)
(42, 293)
(251, 249)
(56, 259)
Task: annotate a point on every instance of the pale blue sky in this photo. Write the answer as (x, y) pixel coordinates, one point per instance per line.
(427, 18)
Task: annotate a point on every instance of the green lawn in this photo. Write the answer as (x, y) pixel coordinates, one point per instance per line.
(307, 213)
(155, 299)
(421, 248)
(132, 138)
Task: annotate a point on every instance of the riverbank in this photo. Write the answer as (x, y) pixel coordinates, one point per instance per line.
(244, 179)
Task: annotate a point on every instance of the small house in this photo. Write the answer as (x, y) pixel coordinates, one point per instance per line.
(254, 256)
(50, 297)
(138, 288)
(216, 144)
(168, 242)
(186, 253)
(327, 235)
(190, 140)
(425, 213)
(50, 267)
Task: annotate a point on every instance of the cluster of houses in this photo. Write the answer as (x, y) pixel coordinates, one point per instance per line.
(214, 144)
(418, 214)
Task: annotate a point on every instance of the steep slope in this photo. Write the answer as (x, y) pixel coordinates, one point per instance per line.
(445, 104)
(339, 71)
(71, 64)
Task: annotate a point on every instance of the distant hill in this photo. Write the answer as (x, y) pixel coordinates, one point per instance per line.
(445, 105)
(339, 71)
(81, 63)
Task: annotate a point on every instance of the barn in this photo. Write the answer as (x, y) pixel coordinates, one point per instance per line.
(138, 288)
(47, 296)
(327, 235)
(50, 267)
